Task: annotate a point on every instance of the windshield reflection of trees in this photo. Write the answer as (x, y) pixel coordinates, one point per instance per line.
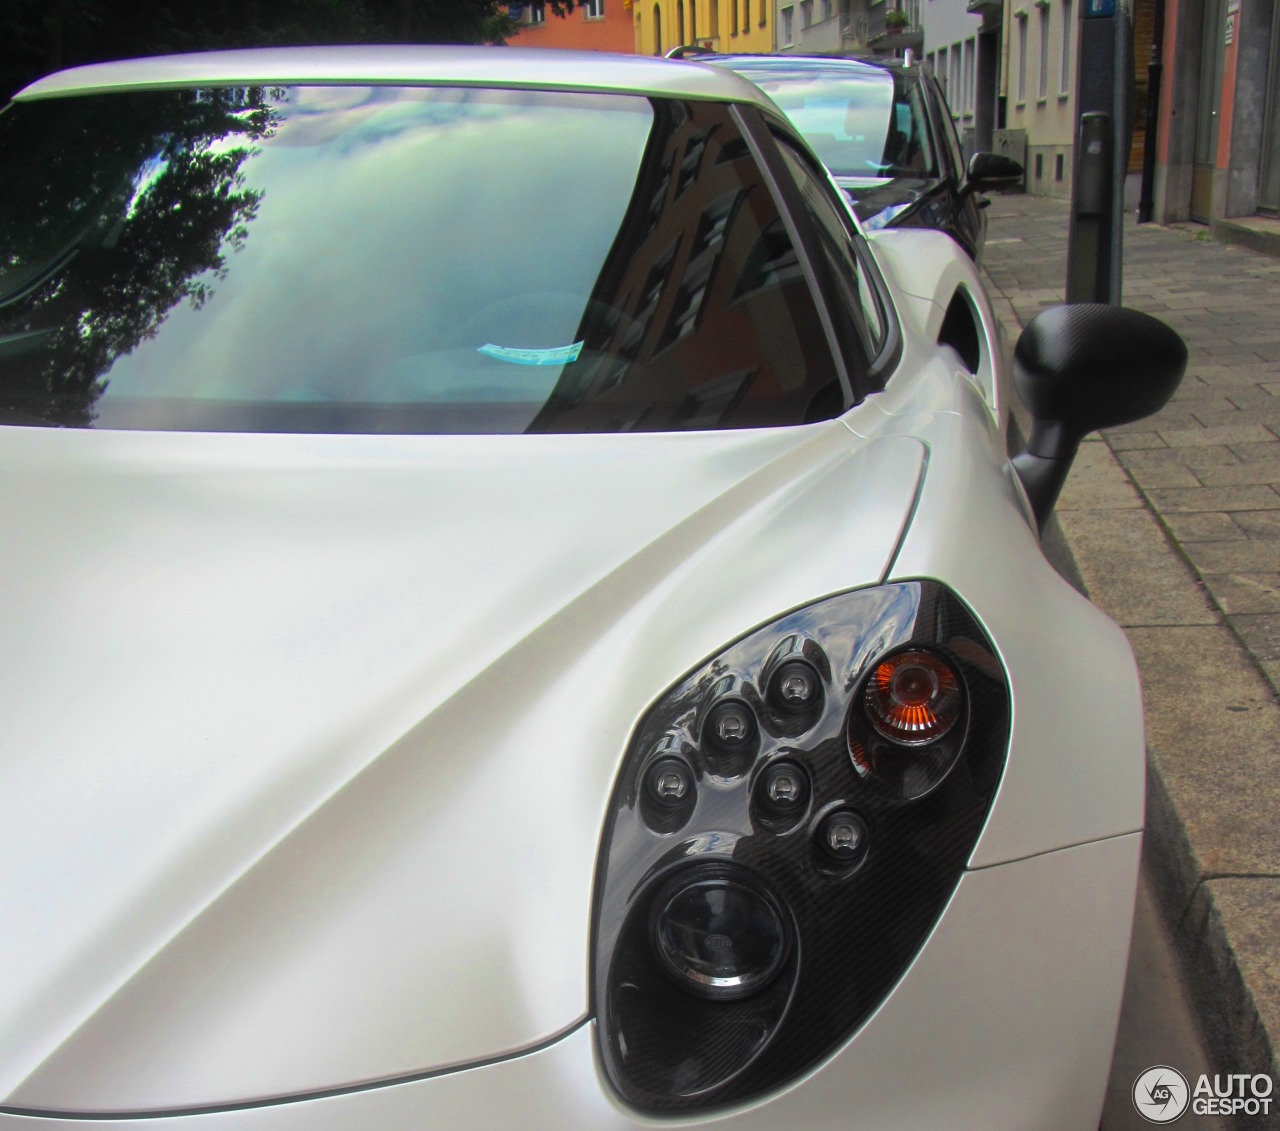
(111, 215)
(116, 210)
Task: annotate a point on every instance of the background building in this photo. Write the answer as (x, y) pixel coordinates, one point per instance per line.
(807, 27)
(723, 25)
(1034, 75)
(1038, 87)
(963, 48)
(594, 25)
(1218, 154)
(848, 27)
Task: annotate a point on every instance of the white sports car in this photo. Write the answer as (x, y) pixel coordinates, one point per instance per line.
(517, 614)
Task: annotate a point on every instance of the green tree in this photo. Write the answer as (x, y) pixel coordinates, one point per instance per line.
(122, 226)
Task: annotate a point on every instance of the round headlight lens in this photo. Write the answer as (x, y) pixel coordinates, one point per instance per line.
(718, 933)
(913, 698)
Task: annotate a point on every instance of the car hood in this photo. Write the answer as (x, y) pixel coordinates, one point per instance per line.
(308, 740)
(878, 202)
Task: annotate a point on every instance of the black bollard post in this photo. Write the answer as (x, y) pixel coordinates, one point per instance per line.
(1104, 78)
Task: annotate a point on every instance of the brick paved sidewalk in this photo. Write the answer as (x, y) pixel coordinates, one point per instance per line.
(1174, 525)
(1209, 464)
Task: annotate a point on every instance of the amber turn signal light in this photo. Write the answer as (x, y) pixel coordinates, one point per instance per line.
(913, 698)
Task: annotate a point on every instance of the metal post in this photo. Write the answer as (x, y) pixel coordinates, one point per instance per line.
(1089, 238)
(1155, 71)
(1103, 81)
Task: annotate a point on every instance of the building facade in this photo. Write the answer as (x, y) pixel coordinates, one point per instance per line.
(1218, 151)
(1038, 87)
(808, 27)
(722, 25)
(595, 25)
(848, 27)
(962, 46)
(1034, 74)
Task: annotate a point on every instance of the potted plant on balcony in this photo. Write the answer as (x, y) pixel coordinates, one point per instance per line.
(896, 20)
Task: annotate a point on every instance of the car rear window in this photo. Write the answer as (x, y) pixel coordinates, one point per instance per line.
(860, 121)
(382, 259)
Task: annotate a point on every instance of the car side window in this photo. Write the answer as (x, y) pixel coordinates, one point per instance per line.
(838, 243)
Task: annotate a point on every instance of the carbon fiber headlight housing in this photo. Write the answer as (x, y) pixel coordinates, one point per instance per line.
(788, 824)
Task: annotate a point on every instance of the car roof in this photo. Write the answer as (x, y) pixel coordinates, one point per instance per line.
(833, 63)
(509, 67)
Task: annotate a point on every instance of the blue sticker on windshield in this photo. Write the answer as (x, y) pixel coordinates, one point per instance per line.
(559, 355)
(885, 216)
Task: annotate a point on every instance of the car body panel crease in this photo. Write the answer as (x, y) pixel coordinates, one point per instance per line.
(238, 867)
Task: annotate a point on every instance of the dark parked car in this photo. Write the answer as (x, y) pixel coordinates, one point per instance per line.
(885, 132)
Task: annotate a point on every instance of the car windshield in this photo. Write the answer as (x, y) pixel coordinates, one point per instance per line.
(861, 121)
(382, 259)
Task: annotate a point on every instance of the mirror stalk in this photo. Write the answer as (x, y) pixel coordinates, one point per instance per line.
(1043, 477)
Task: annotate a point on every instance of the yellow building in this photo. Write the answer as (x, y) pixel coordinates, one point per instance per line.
(724, 25)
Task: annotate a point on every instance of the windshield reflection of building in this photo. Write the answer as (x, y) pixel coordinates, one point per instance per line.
(701, 316)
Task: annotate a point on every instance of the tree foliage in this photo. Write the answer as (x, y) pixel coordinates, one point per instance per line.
(123, 225)
(39, 36)
(119, 221)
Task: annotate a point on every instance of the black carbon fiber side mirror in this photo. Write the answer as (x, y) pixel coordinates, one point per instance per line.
(1082, 367)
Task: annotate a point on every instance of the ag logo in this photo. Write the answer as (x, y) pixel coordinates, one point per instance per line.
(1161, 1094)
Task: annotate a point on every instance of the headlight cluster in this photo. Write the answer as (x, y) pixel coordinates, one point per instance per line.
(789, 822)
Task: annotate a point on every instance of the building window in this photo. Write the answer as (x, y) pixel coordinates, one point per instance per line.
(967, 97)
(1059, 168)
(954, 82)
(941, 72)
(1044, 51)
(715, 17)
(828, 9)
(788, 22)
(733, 6)
(657, 30)
(1039, 166)
(1022, 56)
(538, 12)
(1065, 69)
(693, 21)
(594, 9)
(806, 14)
(680, 36)
(746, 14)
